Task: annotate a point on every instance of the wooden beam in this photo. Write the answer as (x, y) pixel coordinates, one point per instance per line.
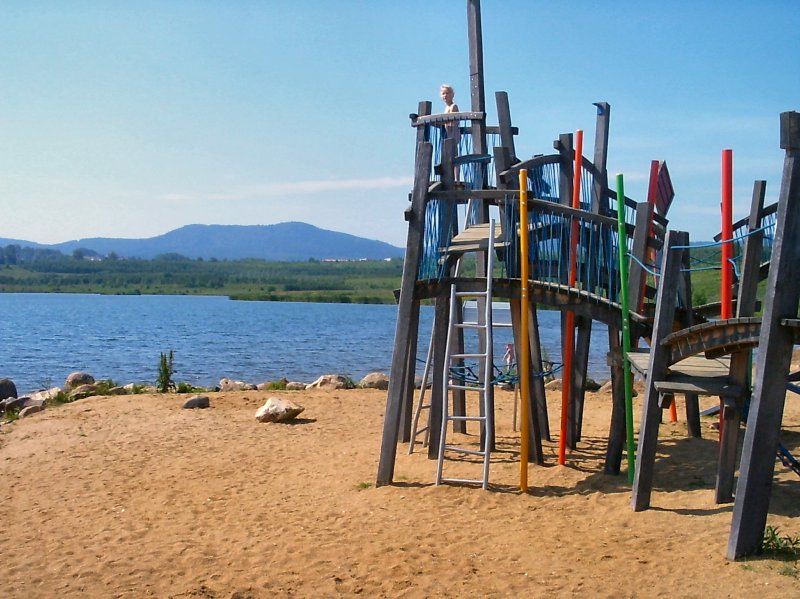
(774, 356)
(504, 125)
(405, 309)
(739, 374)
(440, 323)
(617, 432)
(600, 182)
(657, 369)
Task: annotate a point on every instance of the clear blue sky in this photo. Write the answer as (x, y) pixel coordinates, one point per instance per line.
(128, 119)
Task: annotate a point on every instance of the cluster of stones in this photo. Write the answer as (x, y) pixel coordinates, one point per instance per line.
(374, 380)
(80, 385)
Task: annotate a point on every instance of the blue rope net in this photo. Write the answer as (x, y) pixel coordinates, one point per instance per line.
(597, 251)
(440, 225)
(474, 174)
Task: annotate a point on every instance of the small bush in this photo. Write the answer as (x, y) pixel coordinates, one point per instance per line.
(279, 385)
(166, 369)
(776, 544)
(187, 388)
(104, 387)
(58, 399)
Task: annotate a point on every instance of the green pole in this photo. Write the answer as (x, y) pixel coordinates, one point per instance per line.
(626, 325)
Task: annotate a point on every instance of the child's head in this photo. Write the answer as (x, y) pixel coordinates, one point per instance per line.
(446, 93)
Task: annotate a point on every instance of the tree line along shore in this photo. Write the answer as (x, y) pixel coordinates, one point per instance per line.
(31, 270)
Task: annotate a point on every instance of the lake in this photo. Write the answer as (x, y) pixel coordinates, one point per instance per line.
(47, 336)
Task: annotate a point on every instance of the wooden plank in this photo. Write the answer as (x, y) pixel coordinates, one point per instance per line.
(405, 309)
(651, 413)
(774, 356)
(447, 117)
(696, 384)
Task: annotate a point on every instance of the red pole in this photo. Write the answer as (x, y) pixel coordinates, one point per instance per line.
(568, 336)
(726, 281)
(726, 284)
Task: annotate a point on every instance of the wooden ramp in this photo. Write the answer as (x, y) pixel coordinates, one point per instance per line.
(475, 238)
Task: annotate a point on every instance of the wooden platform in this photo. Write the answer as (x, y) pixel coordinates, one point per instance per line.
(475, 238)
(695, 374)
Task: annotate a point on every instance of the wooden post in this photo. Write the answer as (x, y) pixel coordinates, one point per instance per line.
(774, 356)
(539, 426)
(404, 430)
(616, 433)
(637, 274)
(740, 361)
(405, 313)
(478, 104)
(692, 400)
(449, 151)
(439, 363)
(651, 412)
(583, 325)
(423, 133)
(600, 183)
(504, 124)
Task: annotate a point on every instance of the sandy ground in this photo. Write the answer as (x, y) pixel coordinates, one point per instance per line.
(134, 497)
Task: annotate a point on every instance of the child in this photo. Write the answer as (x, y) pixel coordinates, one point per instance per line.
(447, 94)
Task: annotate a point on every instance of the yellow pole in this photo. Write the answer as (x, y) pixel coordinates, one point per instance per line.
(523, 352)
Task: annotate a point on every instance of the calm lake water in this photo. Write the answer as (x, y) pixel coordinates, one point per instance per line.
(47, 336)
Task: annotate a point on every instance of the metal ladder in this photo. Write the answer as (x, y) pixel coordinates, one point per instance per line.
(485, 361)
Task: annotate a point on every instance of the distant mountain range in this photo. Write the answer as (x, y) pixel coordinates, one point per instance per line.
(290, 241)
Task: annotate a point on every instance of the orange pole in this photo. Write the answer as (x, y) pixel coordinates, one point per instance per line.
(523, 350)
(568, 336)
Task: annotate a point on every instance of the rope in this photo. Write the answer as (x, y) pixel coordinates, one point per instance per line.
(781, 452)
(645, 266)
(787, 459)
(722, 241)
(466, 374)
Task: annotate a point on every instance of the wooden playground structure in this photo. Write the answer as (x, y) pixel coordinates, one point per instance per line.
(548, 231)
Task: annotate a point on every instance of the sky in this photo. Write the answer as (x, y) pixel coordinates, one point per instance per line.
(130, 119)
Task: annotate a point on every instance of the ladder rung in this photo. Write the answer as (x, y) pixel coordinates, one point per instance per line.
(471, 294)
(497, 325)
(483, 355)
(464, 388)
(464, 450)
(469, 325)
(466, 418)
(467, 481)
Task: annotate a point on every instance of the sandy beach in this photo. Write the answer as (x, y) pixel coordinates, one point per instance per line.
(132, 496)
